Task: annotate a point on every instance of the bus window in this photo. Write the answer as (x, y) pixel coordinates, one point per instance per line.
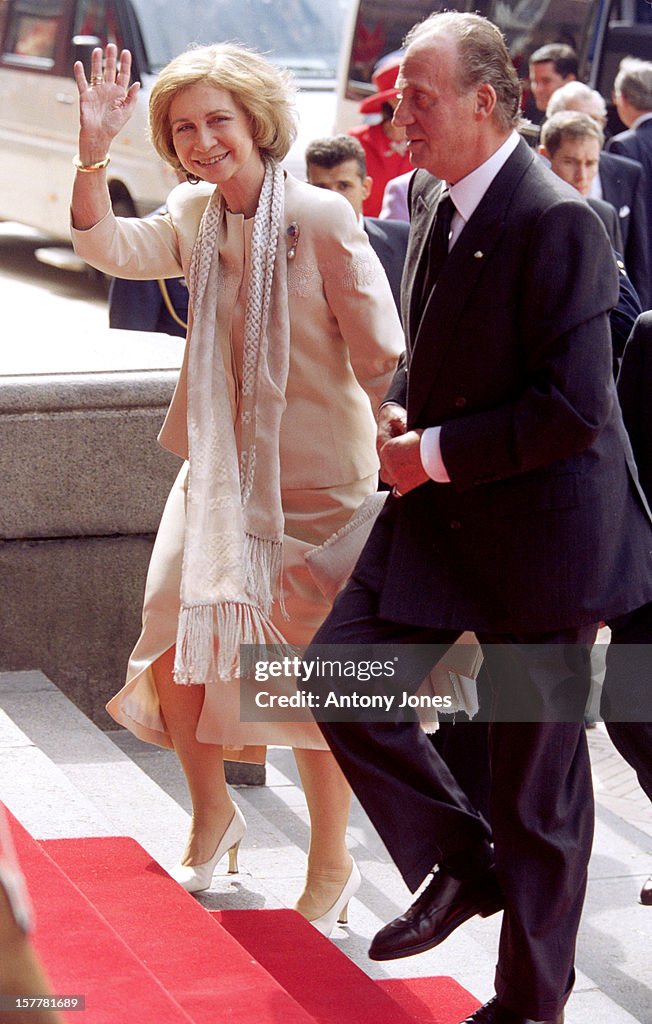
(32, 32)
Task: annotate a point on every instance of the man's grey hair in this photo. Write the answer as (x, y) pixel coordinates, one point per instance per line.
(483, 57)
(577, 96)
(634, 83)
(569, 124)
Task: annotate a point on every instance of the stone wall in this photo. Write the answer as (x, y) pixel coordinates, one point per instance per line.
(83, 482)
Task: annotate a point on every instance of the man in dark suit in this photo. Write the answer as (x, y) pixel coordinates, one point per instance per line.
(338, 163)
(620, 181)
(623, 184)
(633, 97)
(571, 141)
(627, 695)
(514, 514)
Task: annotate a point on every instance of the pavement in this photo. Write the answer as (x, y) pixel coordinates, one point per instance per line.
(63, 777)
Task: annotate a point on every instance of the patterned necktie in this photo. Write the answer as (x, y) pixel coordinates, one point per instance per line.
(438, 244)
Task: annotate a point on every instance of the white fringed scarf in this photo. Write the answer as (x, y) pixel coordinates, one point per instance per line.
(234, 521)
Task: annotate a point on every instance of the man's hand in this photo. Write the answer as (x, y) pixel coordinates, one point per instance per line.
(392, 422)
(400, 462)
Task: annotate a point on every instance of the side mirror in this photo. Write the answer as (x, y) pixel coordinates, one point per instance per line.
(82, 48)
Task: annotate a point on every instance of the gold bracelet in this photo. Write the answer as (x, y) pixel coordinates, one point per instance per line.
(99, 166)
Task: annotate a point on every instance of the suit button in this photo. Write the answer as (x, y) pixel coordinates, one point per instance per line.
(460, 402)
(455, 524)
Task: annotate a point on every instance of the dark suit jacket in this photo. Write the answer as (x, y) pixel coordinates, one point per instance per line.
(628, 307)
(635, 394)
(607, 214)
(637, 145)
(139, 305)
(541, 527)
(389, 240)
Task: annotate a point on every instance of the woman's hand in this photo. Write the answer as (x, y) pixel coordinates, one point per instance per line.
(106, 103)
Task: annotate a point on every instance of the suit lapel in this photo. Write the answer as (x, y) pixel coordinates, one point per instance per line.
(422, 218)
(431, 326)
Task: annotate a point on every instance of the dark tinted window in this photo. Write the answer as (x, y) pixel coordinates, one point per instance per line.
(32, 32)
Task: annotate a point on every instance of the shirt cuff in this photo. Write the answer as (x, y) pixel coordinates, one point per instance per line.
(431, 460)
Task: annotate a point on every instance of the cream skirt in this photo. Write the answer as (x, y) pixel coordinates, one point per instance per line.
(311, 516)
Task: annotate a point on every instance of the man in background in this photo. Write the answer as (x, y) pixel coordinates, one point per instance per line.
(633, 98)
(551, 66)
(619, 181)
(571, 142)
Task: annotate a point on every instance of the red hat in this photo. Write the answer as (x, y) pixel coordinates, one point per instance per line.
(384, 78)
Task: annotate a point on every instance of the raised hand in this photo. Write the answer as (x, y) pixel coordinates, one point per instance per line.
(107, 102)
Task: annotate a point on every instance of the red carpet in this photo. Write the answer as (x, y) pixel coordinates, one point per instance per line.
(332, 988)
(83, 954)
(112, 926)
(205, 970)
(431, 1000)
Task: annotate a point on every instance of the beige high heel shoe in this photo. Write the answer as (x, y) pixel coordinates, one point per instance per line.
(338, 913)
(198, 877)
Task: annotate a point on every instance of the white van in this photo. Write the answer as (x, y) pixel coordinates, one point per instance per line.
(601, 31)
(41, 39)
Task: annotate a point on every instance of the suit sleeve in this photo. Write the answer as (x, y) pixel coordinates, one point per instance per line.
(566, 392)
(397, 391)
(634, 388)
(637, 258)
(623, 315)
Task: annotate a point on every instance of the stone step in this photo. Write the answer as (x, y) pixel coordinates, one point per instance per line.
(86, 785)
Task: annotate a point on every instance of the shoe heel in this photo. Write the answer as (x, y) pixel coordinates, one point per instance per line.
(233, 859)
(339, 912)
(491, 908)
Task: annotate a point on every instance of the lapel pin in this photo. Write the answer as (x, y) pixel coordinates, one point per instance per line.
(478, 255)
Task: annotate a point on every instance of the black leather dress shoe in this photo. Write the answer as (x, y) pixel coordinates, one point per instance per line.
(493, 1013)
(646, 893)
(442, 906)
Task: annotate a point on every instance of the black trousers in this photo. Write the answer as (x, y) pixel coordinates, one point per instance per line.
(541, 793)
(626, 704)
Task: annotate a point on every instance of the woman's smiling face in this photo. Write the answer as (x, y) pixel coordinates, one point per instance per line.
(211, 134)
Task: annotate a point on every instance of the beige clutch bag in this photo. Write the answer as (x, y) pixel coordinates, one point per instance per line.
(330, 566)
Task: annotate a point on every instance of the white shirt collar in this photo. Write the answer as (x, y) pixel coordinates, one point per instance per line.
(468, 192)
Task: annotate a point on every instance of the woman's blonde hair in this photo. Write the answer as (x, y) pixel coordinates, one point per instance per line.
(264, 91)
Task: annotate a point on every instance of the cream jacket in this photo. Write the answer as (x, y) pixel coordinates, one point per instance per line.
(345, 332)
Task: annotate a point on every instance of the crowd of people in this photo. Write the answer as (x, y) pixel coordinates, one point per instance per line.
(492, 360)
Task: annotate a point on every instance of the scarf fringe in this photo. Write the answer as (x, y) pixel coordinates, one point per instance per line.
(263, 571)
(209, 638)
